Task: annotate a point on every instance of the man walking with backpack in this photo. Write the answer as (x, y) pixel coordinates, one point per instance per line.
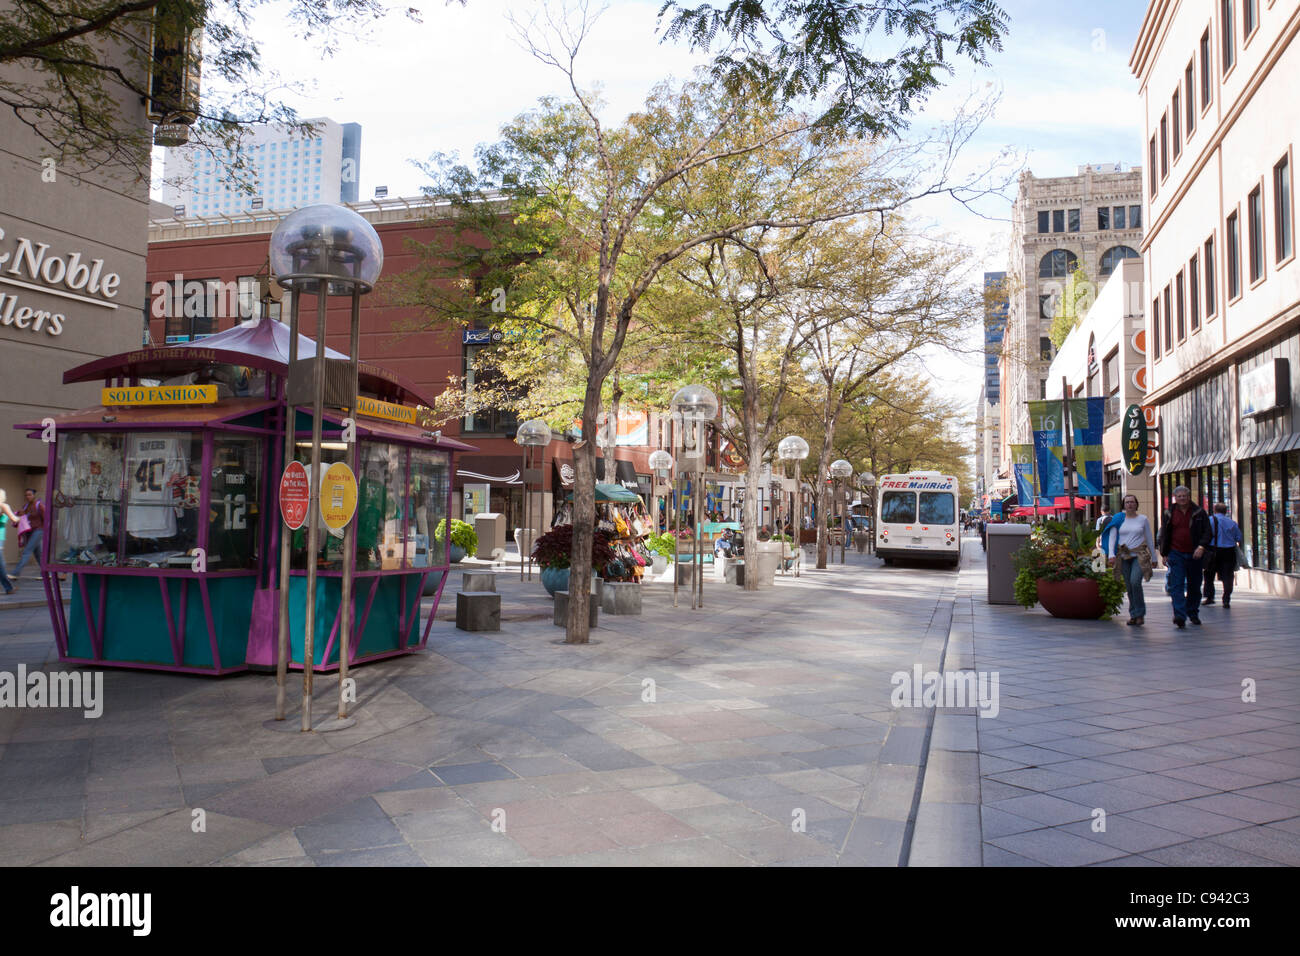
(1225, 536)
(1185, 536)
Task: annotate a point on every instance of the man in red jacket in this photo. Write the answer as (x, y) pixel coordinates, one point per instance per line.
(1184, 539)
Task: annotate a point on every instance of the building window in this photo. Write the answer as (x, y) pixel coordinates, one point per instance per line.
(1234, 258)
(1255, 222)
(1164, 146)
(1180, 305)
(1205, 69)
(1229, 27)
(1117, 217)
(1135, 217)
(1047, 306)
(1176, 110)
(1152, 164)
(477, 373)
(1058, 220)
(1045, 348)
(1282, 208)
(1249, 17)
(1194, 292)
(1057, 264)
(1112, 257)
(1042, 388)
(1044, 220)
(1074, 219)
(1103, 217)
(1189, 91)
(1211, 306)
(1155, 327)
(1168, 306)
(1111, 383)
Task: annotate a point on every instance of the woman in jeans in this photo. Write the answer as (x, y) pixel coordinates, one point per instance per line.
(1133, 535)
(6, 515)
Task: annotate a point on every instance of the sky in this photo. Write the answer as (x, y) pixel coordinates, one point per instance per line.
(1067, 98)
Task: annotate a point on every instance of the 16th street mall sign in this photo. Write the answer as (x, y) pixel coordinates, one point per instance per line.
(1135, 439)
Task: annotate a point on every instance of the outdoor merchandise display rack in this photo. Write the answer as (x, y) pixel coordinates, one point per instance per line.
(165, 519)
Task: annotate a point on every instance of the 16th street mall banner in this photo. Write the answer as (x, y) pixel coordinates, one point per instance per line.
(1022, 463)
(1087, 421)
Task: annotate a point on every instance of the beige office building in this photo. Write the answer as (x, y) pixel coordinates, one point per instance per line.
(1222, 118)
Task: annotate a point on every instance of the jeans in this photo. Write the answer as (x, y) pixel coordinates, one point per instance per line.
(33, 546)
(1184, 583)
(4, 578)
(1224, 565)
(1131, 568)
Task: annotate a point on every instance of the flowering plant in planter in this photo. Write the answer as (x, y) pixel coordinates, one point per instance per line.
(661, 544)
(1059, 551)
(463, 535)
(553, 549)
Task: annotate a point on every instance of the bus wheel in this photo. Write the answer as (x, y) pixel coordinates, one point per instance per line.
(888, 561)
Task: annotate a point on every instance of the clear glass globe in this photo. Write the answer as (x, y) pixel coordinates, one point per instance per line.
(792, 448)
(695, 403)
(326, 239)
(841, 468)
(661, 461)
(867, 478)
(533, 432)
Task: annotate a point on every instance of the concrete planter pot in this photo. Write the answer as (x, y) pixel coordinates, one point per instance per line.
(658, 564)
(1078, 599)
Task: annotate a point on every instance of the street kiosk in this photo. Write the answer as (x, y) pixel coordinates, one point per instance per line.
(165, 502)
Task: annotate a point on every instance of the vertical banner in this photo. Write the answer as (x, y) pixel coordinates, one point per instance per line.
(1046, 419)
(1022, 466)
(1088, 421)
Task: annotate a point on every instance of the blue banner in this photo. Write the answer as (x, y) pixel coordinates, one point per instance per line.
(1045, 417)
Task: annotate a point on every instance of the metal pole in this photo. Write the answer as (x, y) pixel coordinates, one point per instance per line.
(290, 421)
(1069, 447)
(350, 530)
(798, 517)
(699, 541)
(844, 519)
(523, 525)
(313, 505)
(677, 527)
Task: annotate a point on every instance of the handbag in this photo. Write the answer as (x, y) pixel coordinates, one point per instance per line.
(24, 525)
(1242, 560)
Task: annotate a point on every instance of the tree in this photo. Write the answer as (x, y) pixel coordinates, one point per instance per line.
(73, 66)
(809, 48)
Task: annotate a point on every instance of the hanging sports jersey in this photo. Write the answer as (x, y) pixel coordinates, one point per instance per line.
(89, 486)
(229, 534)
(153, 462)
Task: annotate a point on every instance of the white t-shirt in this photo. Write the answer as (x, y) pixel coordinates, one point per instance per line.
(153, 461)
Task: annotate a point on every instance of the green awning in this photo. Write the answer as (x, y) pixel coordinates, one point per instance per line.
(616, 493)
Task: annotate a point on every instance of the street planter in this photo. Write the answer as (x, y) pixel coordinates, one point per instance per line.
(1078, 598)
(457, 553)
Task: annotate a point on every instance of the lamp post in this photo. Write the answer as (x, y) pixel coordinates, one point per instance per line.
(694, 406)
(841, 471)
(321, 250)
(868, 481)
(661, 463)
(534, 433)
(795, 449)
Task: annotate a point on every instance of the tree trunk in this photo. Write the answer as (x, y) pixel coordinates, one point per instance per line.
(578, 627)
(823, 470)
(750, 513)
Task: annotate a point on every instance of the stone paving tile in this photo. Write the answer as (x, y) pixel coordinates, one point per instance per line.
(682, 796)
(644, 828)
(401, 855)
(1168, 788)
(776, 844)
(1186, 819)
(721, 818)
(472, 773)
(1056, 847)
(556, 840)
(873, 841)
(996, 856)
(1206, 853)
(1044, 808)
(1241, 807)
(470, 849)
(1266, 842)
(1125, 833)
(995, 822)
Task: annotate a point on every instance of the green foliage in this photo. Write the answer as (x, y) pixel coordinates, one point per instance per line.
(463, 535)
(555, 549)
(1072, 305)
(1063, 551)
(1026, 588)
(1112, 592)
(661, 544)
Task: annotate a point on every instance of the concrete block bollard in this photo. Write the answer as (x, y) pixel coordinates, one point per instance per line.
(478, 580)
(621, 597)
(478, 610)
(561, 618)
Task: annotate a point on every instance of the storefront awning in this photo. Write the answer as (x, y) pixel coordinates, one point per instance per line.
(1269, 446)
(1193, 462)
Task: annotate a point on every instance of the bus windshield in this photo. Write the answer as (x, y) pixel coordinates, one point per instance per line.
(937, 508)
(898, 507)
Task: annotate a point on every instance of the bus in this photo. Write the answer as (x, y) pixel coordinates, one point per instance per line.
(917, 518)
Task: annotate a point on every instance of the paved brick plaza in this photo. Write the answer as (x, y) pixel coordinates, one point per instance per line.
(770, 709)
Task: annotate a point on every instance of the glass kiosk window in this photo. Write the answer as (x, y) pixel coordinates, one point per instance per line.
(234, 517)
(381, 480)
(427, 493)
(88, 498)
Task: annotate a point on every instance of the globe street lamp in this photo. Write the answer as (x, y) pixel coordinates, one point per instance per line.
(693, 406)
(840, 471)
(321, 250)
(534, 433)
(795, 449)
(661, 463)
(868, 481)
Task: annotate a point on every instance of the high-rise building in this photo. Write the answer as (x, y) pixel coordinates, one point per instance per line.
(1223, 287)
(288, 170)
(995, 326)
(1089, 222)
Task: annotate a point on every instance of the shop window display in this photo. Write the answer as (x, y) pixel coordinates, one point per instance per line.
(1277, 475)
(427, 493)
(234, 518)
(1292, 505)
(88, 499)
(381, 505)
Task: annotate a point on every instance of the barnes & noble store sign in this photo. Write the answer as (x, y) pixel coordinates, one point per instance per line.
(31, 268)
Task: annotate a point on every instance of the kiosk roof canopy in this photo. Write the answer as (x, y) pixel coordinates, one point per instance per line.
(263, 344)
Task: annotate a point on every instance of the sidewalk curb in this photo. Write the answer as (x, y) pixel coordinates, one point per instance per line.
(946, 828)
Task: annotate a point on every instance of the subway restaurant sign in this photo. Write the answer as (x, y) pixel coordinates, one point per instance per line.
(159, 395)
(1136, 440)
(373, 408)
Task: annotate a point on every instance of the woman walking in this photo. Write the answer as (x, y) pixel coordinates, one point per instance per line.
(1135, 544)
(6, 515)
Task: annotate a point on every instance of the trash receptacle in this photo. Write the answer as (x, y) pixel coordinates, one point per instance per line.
(491, 531)
(1004, 540)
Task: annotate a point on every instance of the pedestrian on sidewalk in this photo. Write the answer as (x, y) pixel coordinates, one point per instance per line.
(1135, 547)
(6, 515)
(1105, 517)
(33, 510)
(1185, 534)
(1222, 559)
